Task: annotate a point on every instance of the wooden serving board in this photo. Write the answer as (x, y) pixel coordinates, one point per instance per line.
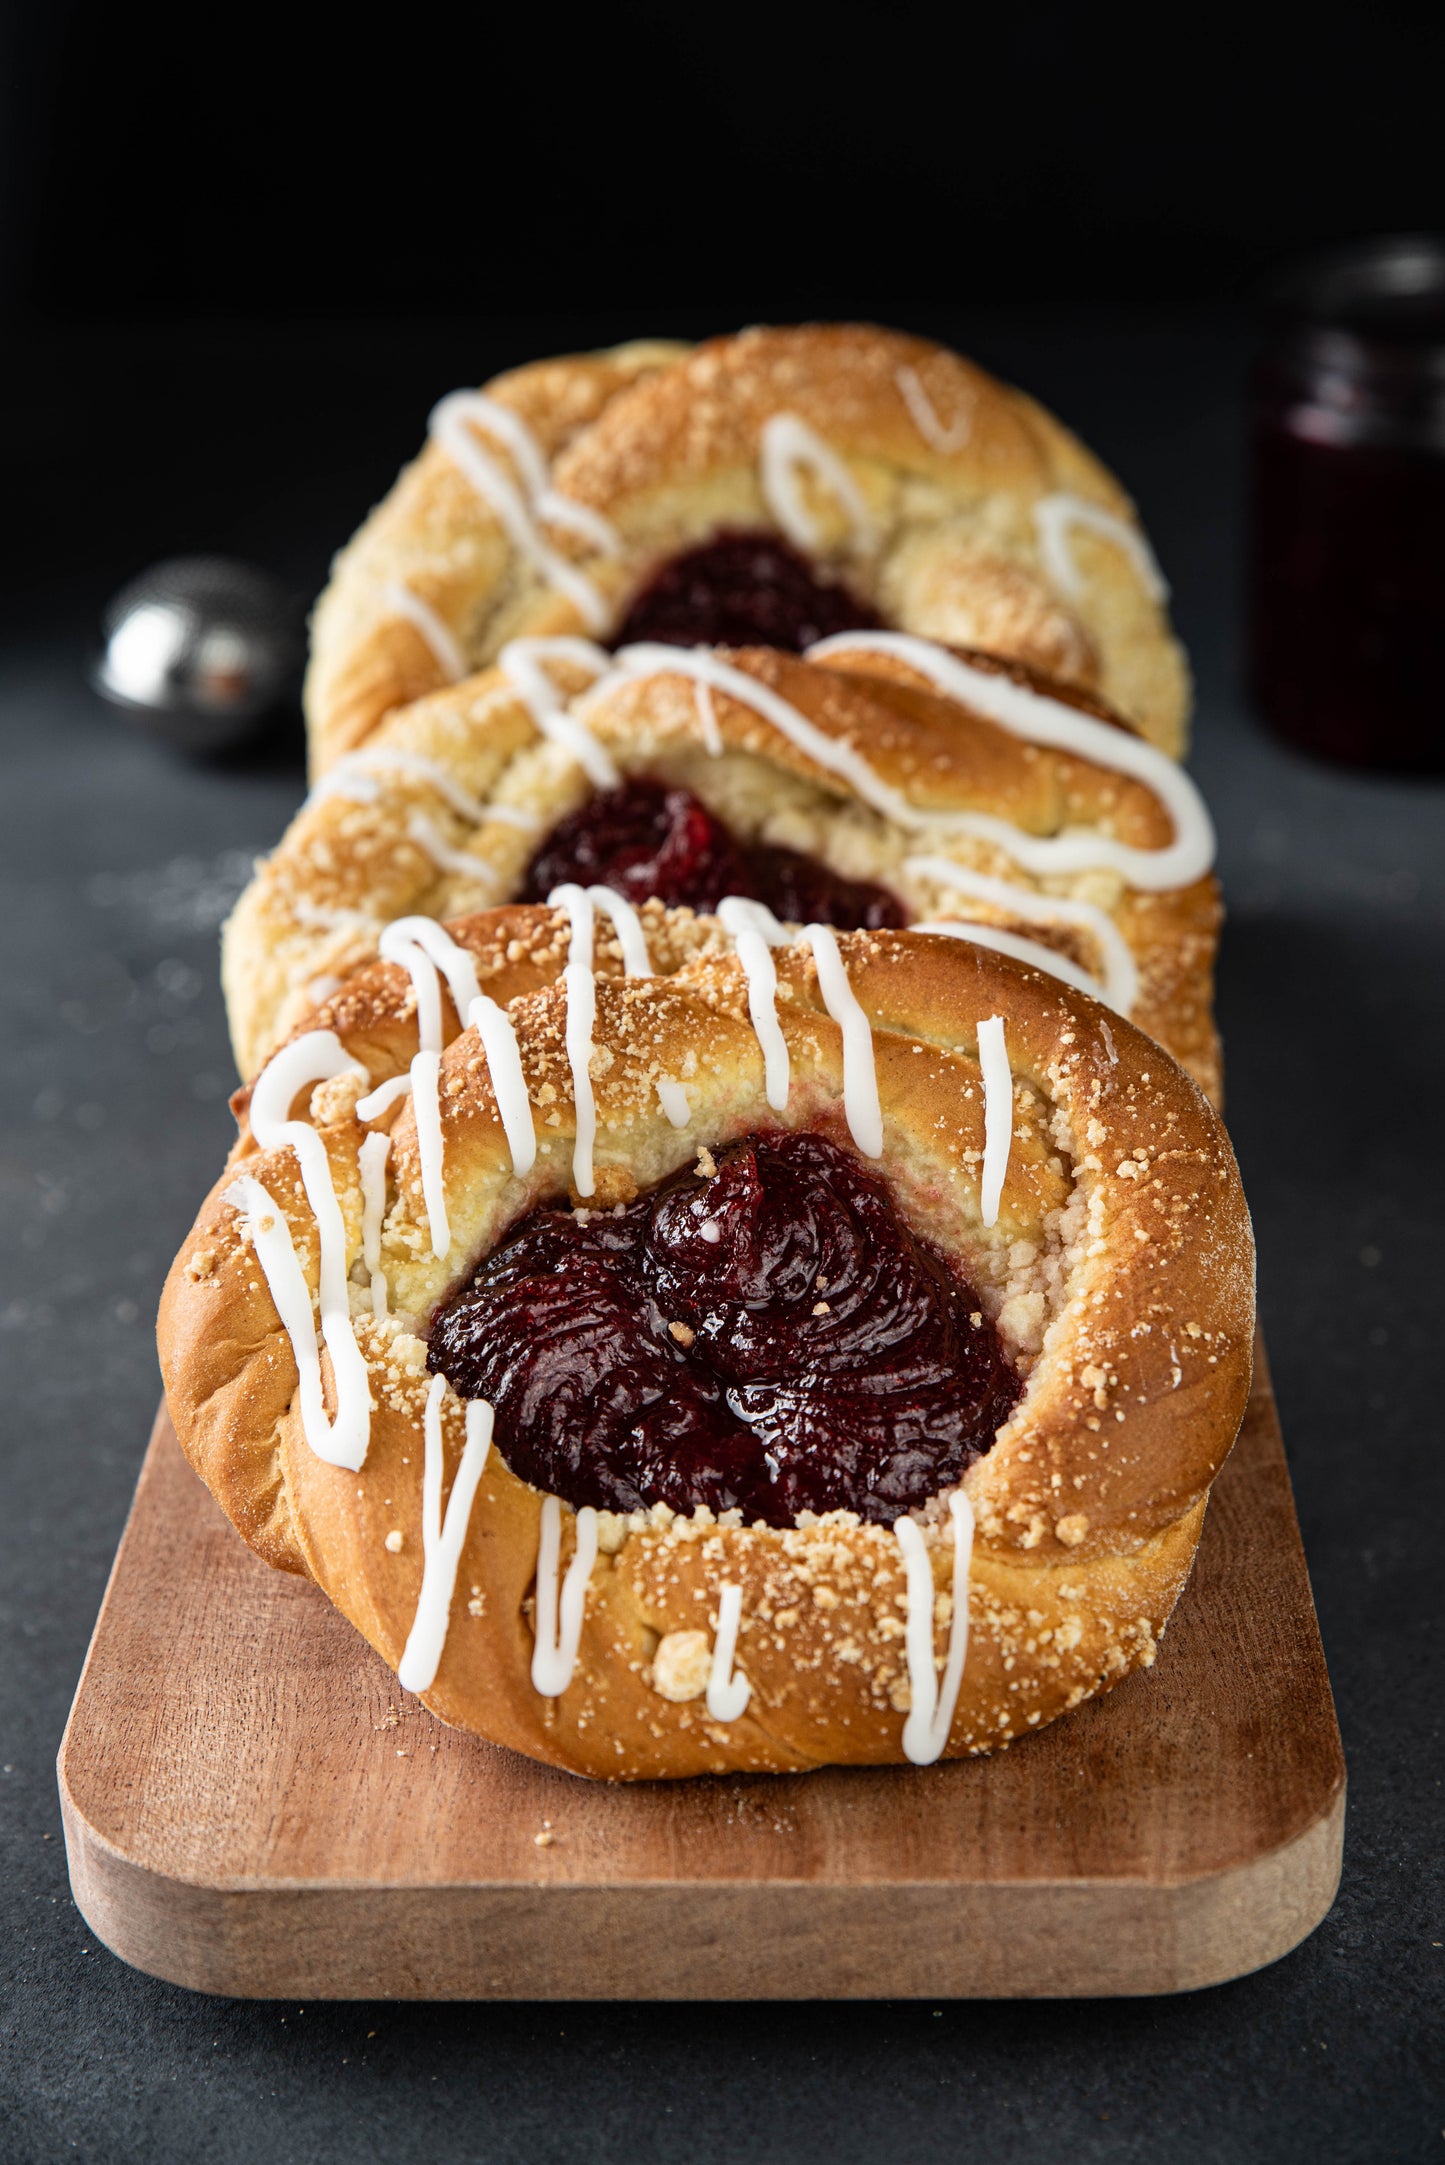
(253, 1806)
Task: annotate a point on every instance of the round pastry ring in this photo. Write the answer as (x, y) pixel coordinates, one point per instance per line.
(544, 504)
(442, 812)
(701, 1646)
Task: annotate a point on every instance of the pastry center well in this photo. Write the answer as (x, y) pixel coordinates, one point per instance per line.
(764, 1333)
(742, 590)
(647, 838)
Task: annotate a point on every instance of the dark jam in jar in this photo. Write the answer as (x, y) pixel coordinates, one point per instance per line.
(1347, 604)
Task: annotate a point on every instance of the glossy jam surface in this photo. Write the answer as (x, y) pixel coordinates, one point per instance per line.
(772, 1338)
(647, 838)
(742, 590)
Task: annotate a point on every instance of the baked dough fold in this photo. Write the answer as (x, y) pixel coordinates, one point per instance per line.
(950, 503)
(441, 811)
(1119, 1276)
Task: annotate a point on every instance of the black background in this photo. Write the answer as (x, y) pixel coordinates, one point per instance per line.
(241, 255)
(750, 159)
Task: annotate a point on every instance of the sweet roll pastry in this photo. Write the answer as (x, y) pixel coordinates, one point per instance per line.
(880, 780)
(680, 1344)
(765, 489)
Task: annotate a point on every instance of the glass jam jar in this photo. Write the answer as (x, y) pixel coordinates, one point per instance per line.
(1347, 593)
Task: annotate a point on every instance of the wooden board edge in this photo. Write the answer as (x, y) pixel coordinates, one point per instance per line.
(702, 1940)
(160, 1428)
(697, 1940)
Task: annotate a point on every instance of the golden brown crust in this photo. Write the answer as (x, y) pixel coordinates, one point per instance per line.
(665, 445)
(346, 867)
(431, 534)
(1119, 1274)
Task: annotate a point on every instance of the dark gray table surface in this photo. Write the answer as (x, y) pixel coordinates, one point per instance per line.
(118, 863)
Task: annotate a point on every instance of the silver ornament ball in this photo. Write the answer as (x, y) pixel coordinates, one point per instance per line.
(200, 649)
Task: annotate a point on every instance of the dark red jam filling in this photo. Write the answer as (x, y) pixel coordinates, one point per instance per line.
(646, 838)
(742, 590)
(773, 1339)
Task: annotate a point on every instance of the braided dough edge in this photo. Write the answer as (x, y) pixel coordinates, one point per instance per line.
(1089, 1504)
(664, 443)
(344, 869)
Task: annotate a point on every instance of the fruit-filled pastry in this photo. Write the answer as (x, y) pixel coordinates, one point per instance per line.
(881, 781)
(767, 489)
(683, 1344)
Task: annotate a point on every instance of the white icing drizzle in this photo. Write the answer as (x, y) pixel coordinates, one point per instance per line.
(581, 519)
(510, 429)
(402, 601)
(388, 759)
(383, 1097)
(512, 815)
(558, 1623)
(930, 1716)
(426, 1068)
(453, 425)
(371, 1160)
(427, 953)
(636, 962)
(860, 1069)
(1120, 988)
(422, 948)
(1055, 515)
(998, 1115)
(346, 779)
(442, 1539)
(276, 1253)
(581, 1019)
(523, 663)
(649, 659)
(355, 777)
(316, 1057)
(581, 987)
(673, 1100)
(547, 502)
(323, 917)
(1040, 720)
(743, 910)
(352, 779)
(396, 946)
(755, 930)
(787, 444)
(707, 720)
(1002, 942)
(581, 984)
(509, 1085)
(728, 1690)
(460, 862)
(924, 414)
